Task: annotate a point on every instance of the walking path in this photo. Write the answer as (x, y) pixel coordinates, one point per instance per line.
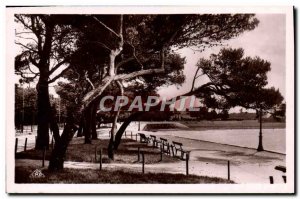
(206, 159)
(246, 166)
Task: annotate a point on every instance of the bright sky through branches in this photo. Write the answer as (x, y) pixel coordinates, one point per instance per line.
(266, 41)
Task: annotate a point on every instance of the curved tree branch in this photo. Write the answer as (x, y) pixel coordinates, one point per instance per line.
(88, 80)
(59, 75)
(32, 70)
(134, 55)
(93, 94)
(144, 72)
(194, 79)
(28, 38)
(124, 62)
(28, 48)
(22, 74)
(33, 61)
(57, 66)
(106, 27)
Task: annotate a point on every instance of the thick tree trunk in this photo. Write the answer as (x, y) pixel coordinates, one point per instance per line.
(114, 126)
(87, 125)
(135, 115)
(110, 148)
(123, 127)
(80, 130)
(54, 126)
(93, 122)
(43, 102)
(59, 152)
(43, 106)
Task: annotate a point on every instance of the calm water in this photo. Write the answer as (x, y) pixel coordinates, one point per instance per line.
(273, 139)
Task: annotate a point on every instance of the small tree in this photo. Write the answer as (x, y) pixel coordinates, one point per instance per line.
(224, 114)
(279, 112)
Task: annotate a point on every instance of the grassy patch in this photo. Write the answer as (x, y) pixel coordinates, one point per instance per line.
(79, 152)
(73, 176)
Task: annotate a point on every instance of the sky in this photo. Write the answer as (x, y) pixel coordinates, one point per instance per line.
(267, 41)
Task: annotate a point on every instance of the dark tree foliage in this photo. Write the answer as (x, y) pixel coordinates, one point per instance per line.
(280, 112)
(236, 80)
(201, 31)
(25, 106)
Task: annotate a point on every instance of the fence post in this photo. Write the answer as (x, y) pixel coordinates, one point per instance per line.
(131, 135)
(139, 127)
(228, 170)
(172, 148)
(284, 179)
(138, 154)
(135, 137)
(100, 159)
(44, 156)
(143, 162)
(95, 153)
(25, 145)
(271, 180)
(52, 142)
(187, 163)
(161, 153)
(125, 134)
(16, 145)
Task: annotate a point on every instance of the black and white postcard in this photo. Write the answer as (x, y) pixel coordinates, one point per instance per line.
(150, 99)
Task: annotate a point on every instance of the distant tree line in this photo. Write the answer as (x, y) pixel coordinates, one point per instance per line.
(26, 106)
(206, 114)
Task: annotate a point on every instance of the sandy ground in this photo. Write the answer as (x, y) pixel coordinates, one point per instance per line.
(206, 158)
